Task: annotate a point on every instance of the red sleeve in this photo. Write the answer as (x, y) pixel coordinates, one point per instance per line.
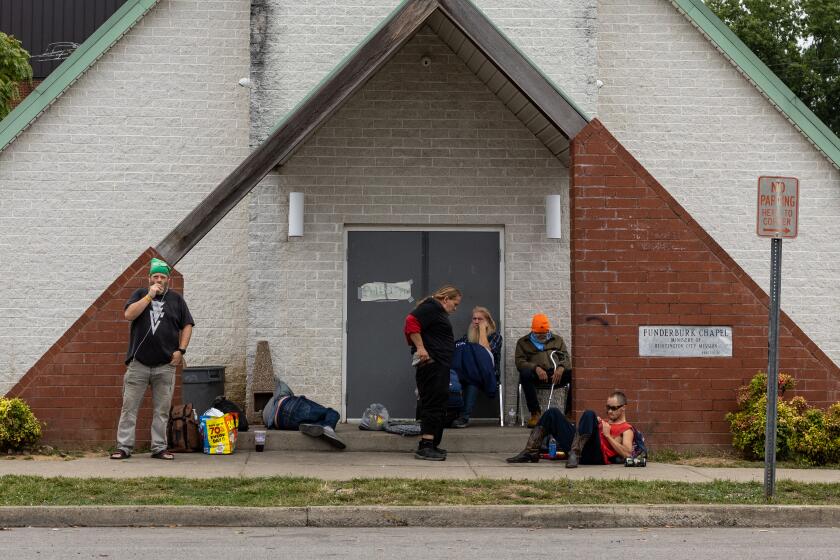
(412, 325)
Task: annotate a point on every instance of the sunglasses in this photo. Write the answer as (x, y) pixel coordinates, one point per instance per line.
(614, 408)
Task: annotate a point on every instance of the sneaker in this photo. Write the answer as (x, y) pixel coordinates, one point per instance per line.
(460, 422)
(312, 430)
(441, 450)
(429, 454)
(331, 437)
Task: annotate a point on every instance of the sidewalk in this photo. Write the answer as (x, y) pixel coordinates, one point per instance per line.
(336, 465)
(343, 465)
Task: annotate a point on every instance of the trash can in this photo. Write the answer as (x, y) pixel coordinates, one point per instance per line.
(200, 385)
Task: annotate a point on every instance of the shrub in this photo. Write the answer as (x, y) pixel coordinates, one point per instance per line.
(14, 69)
(18, 426)
(805, 434)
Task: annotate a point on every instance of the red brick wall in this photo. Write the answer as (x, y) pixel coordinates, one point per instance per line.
(639, 259)
(76, 387)
(25, 89)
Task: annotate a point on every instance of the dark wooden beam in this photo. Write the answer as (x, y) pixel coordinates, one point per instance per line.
(281, 144)
(516, 67)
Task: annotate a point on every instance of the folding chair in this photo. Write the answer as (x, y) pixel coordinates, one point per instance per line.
(561, 391)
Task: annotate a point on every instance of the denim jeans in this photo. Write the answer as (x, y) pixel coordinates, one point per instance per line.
(300, 410)
(557, 425)
(470, 397)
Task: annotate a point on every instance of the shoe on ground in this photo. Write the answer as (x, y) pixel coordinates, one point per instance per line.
(524, 457)
(332, 438)
(535, 417)
(460, 423)
(441, 450)
(163, 455)
(429, 454)
(572, 460)
(311, 430)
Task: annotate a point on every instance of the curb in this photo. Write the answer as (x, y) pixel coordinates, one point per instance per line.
(515, 516)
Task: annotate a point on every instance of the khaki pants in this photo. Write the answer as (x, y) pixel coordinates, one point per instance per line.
(137, 378)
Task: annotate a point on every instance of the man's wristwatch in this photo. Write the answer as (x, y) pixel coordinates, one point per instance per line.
(182, 351)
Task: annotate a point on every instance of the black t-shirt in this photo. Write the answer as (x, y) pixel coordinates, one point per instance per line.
(155, 333)
(435, 330)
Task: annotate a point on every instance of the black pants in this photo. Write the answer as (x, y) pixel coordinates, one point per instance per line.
(563, 431)
(529, 379)
(433, 390)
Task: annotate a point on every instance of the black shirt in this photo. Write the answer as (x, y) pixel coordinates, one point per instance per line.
(156, 332)
(435, 330)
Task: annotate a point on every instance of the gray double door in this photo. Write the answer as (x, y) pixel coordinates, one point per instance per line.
(388, 272)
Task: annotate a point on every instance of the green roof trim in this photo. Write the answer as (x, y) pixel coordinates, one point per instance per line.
(764, 79)
(72, 69)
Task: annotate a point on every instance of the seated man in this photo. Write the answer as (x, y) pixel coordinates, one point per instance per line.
(285, 411)
(596, 441)
(533, 360)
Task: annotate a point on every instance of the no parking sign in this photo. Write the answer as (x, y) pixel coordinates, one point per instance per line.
(778, 207)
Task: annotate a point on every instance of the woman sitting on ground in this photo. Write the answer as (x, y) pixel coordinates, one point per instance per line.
(482, 331)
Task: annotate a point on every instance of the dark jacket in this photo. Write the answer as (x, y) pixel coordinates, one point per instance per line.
(528, 357)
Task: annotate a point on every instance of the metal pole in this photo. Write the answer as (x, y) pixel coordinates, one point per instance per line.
(772, 369)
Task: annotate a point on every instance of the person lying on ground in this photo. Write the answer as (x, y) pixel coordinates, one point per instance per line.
(286, 411)
(595, 441)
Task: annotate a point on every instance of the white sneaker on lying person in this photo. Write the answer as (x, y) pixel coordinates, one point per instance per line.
(323, 432)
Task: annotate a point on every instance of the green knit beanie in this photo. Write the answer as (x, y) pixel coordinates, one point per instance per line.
(157, 266)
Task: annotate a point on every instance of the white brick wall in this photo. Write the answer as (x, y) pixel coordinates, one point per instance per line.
(415, 146)
(707, 134)
(296, 44)
(115, 164)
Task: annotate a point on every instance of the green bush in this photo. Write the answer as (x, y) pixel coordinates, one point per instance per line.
(18, 426)
(14, 69)
(804, 434)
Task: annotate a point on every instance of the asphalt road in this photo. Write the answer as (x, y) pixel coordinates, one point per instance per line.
(414, 543)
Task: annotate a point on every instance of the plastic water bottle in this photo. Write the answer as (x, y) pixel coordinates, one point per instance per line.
(511, 416)
(552, 447)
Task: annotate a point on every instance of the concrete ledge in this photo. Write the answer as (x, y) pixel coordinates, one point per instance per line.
(560, 516)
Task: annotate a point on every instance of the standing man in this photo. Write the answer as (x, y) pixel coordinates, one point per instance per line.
(161, 326)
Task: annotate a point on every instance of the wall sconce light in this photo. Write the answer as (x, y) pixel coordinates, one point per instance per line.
(296, 214)
(553, 217)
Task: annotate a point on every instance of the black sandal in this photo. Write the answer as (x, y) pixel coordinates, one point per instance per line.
(119, 455)
(165, 455)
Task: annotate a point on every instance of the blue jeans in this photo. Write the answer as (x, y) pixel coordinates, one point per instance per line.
(556, 424)
(300, 410)
(470, 397)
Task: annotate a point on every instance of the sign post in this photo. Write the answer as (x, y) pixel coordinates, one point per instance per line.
(777, 217)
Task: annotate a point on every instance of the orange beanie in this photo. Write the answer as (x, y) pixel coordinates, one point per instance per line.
(540, 324)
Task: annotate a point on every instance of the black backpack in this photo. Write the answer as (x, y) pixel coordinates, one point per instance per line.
(182, 430)
(223, 404)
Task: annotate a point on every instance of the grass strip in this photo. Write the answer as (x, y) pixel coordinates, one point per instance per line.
(297, 491)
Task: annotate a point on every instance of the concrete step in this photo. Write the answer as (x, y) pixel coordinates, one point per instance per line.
(478, 438)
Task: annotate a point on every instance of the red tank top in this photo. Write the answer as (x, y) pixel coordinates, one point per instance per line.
(615, 430)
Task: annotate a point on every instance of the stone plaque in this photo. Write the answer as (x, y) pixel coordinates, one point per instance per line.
(682, 341)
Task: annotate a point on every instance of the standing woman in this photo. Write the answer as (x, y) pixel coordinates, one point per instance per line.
(429, 333)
